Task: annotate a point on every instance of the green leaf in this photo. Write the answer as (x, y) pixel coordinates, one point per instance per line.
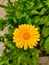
(10, 45)
(35, 55)
(10, 3)
(44, 19)
(28, 21)
(29, 5)
(42, 44)
(45, 31)
(36, 19)
(47, 2)
(1, 23)
(47, 24)
(38, 6)
(33, 12)
(19, 15)
(14, 19)
(47, 45)
(43, 11)
(10, 31)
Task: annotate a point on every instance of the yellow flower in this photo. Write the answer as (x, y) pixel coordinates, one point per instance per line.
(26, 36)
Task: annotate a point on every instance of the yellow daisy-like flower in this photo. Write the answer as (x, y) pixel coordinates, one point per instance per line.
(26, 36)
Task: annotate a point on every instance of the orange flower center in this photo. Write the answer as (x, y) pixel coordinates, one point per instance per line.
(26, 36)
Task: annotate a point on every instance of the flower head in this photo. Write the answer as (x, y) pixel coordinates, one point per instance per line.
(26, 36)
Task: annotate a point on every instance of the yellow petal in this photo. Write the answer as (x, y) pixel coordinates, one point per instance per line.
(25, 46)
(30, 45)
(26, 36)
(21, 45)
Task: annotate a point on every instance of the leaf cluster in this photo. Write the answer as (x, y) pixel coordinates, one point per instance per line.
(35, 12)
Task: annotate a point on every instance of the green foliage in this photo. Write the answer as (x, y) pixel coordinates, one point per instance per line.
(1, 26)
(42, 43)
(35, 12)
(45, 31)
(47, 45)
(20, 57)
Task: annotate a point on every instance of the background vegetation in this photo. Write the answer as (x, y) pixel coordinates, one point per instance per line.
(35, 12)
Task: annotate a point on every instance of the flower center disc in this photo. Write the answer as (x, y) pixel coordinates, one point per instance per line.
(26, 36)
